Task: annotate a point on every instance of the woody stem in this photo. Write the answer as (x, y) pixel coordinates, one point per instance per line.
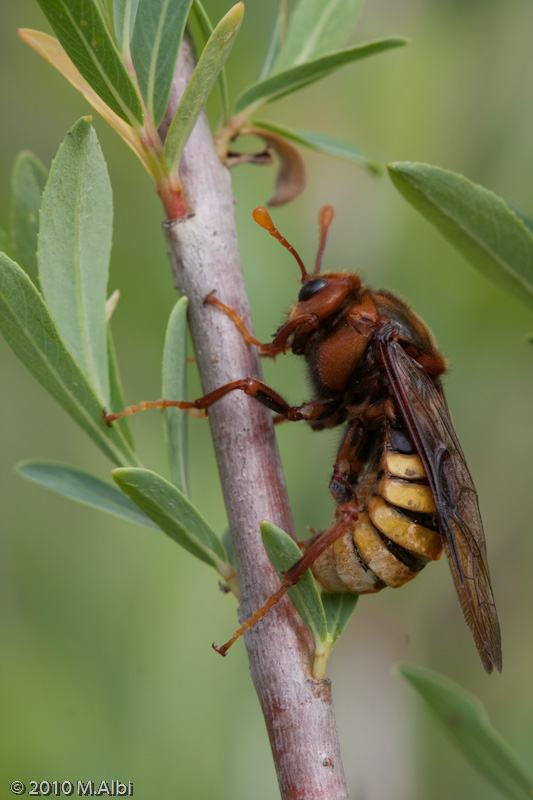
(203, 250)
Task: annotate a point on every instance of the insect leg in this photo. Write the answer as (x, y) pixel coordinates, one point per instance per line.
(347, 469)
(250, 386)
(280, 342)
(239, 322)
(346, 515)
(348, 464)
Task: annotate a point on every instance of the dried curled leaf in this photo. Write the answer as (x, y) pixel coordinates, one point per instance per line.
(263, 158)
(291, 178)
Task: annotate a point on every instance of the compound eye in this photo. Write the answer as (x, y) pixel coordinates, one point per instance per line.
(310, 288)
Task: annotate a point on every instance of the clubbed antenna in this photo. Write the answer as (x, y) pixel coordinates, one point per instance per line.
(325, 218)
(263, 218)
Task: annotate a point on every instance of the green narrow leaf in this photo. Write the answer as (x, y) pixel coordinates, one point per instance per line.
(526, 219)
(173, 513)
(467, 723)
(116, 395)
(29, 330)
(478, 222)
(82, 487)
(206, 27)
(316, 28)
(283, 552)
(338, 609)
(124, 12)
(28, 179)
(106, 12)
(83, 33)
(294, 78)
(227, 542)
(276, 38)
(175, 388)
(201, 16)
(156, 40)
(74, 249)
(209, 65)
(325, 143)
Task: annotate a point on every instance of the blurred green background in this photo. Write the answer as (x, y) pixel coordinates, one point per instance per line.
(107, 670)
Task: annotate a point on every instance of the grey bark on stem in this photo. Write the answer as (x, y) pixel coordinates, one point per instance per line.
(204, 254)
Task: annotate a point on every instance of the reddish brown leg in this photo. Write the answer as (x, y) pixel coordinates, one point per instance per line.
(280, 342)
(239, 322)
(250, 386)
(348, 466)
(346, 516)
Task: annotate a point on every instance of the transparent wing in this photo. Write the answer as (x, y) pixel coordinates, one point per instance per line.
(424, 409)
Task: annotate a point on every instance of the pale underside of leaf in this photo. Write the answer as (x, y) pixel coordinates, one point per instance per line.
(74, 249)
(82, 487)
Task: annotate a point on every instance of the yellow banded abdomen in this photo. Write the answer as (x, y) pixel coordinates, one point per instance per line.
(388, 544)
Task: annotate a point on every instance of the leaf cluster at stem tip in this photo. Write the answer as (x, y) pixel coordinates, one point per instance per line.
(125, 67)
(124, 60)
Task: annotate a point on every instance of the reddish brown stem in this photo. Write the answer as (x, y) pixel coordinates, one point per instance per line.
(173, 202)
